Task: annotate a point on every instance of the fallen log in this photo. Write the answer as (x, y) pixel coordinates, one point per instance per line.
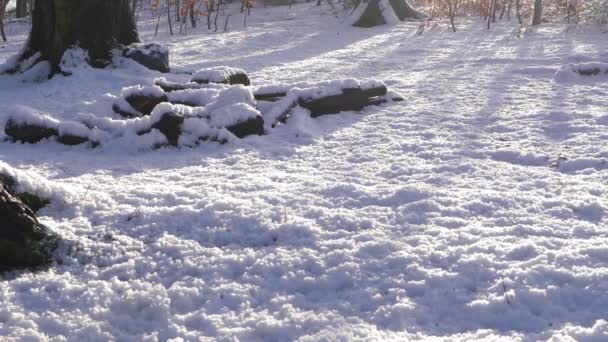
(28, 132)
(351, 99)
(138, 101)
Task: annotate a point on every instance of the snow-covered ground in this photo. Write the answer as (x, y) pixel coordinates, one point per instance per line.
(475, 210)
(11, 5)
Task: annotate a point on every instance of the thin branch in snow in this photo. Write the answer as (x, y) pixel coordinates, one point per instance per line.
(504, 290)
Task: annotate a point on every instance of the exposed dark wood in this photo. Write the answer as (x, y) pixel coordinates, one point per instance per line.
(31, 133)
(170, 124)
(253, 126)
(350, 99)
(145, 104)
(236, 78)
(28, 133)
(171, 86)
(271, 97)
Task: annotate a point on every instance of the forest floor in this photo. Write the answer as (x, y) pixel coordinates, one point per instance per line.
(477, 209)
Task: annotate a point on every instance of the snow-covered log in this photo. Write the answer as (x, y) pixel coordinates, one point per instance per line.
(575, 70)
(325, 98)
(28, 132)
(221, 74)
(349, 99)
(139, 101)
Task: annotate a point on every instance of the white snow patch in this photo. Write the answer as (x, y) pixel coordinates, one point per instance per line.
(232, 114)
(218, 74)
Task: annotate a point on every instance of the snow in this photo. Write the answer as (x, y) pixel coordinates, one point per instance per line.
(32, 183)
(316, 90)
(232, 114)
(474, 210)
(12, 4)
(218, 74)
(73, 59)
(148, 49)
(151, 91)
(198, 97)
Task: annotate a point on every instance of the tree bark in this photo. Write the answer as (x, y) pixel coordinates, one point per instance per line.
(3, 4)
(538, 12)
(373, 16)
(192, 15)
(97, 26)
(21, 11)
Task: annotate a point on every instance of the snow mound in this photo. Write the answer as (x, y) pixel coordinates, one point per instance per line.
(194, 97)
(74, 59)
(155, 91)
(232, 95)
(232, 114)
(30, 182)
(221, 74)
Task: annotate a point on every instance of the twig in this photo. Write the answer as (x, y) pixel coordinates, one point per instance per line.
(504, 290)
(86, 192)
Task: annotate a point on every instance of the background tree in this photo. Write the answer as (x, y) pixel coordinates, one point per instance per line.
(538, 12)
(22, 9)
(97, 26)
(3, 4)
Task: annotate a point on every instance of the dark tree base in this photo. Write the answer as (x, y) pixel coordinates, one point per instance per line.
(372, 16)
(97, 26)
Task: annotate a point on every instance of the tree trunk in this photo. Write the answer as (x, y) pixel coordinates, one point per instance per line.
(491, 11)
(21, 11)
(3, 4)
(192, 15)
(97, 26)
(538, 12)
